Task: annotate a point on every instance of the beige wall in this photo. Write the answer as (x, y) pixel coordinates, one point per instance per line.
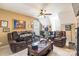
(66, 18)
(71, 34)
(10, 16)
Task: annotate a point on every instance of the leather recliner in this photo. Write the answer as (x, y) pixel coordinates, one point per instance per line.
(16, 44)
(60, 39)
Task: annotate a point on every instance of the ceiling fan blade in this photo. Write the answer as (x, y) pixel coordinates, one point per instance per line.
(48, 14)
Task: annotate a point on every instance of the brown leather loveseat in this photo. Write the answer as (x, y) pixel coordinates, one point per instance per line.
(19, 41)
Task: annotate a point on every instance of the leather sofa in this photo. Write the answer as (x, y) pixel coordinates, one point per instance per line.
(60, 38)
(19, 40)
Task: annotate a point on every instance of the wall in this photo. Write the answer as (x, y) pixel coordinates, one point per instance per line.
(10, 16)
(71, 34)
(55, 22)
(75, 8)
(66, 18)
(44, 20)
(77, 21)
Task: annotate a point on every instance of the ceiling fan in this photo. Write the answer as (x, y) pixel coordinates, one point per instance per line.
(44, 13)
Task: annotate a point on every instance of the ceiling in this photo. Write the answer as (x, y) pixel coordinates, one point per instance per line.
(33, 9)
(76, 8)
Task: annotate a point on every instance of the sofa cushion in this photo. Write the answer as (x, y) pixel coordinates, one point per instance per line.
(15, 35)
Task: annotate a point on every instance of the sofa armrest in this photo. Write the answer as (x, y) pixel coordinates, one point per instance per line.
(14, 42)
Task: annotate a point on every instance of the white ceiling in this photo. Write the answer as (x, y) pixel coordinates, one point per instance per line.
(33, 9)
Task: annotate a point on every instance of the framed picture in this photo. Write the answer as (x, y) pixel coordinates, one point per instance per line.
(6, 29)
(19, 24)
(3, 23)
(67, 27)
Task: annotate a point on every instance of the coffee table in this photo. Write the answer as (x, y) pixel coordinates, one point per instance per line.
(41, 51)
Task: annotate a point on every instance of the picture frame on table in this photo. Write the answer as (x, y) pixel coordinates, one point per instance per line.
(6, 29)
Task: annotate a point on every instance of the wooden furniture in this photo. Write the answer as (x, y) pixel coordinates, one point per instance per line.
(41, 51)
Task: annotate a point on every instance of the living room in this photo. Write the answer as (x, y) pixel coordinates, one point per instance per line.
(26, 29)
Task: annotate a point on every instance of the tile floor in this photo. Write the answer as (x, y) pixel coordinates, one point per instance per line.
(5, 51)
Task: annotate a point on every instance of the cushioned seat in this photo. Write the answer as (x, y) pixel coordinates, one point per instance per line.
(18, 43)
